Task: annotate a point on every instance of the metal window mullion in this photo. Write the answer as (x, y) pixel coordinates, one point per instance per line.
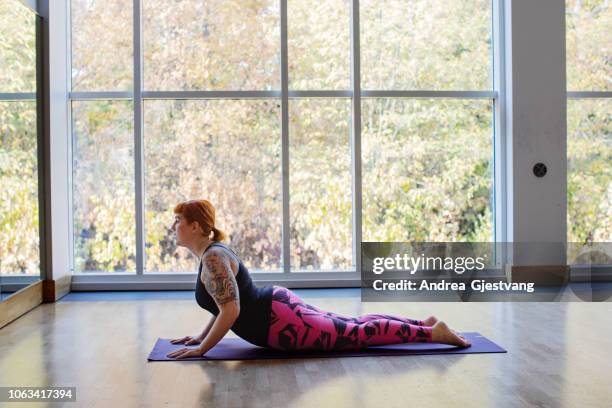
(41, 157)
(138, 139)
(321, 94)
(589, 95)
(356, 135)
(210, 94)
(429, 94)
(17, 96)
(285, 138)
(70, 167)
(500, 184)
(97, 96)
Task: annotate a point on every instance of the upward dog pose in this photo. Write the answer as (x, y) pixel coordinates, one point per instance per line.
(273, 316)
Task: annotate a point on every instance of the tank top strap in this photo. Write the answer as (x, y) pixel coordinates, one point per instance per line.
(219, 244)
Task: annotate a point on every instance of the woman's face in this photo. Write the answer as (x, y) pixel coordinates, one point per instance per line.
(184, 233)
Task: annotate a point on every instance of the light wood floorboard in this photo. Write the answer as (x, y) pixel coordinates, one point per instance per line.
(559, 355)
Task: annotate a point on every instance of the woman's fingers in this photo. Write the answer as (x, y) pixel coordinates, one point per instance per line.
(182, 355)
(190, 353)
(179, 341)
(177, 352)
(184, 352)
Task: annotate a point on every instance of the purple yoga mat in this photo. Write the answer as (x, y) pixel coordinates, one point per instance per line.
(238, 349)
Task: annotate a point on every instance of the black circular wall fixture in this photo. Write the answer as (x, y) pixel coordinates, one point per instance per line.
(539, 169)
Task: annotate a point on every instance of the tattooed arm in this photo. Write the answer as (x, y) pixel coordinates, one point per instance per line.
(220, 283)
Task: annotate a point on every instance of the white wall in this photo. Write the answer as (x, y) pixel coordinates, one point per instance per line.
(536, 129)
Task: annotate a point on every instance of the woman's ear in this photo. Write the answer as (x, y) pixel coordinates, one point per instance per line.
(195, 227)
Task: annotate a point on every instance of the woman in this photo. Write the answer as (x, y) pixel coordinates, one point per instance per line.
(273, 316)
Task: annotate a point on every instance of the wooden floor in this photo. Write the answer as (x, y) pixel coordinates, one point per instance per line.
(559, 355)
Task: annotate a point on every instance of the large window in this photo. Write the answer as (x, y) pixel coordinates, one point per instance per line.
(589, 120)
(19, 176)
(256, 106)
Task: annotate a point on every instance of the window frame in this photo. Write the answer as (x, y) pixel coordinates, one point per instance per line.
(183, 280)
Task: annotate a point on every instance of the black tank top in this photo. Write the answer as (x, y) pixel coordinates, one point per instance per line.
(253, 322)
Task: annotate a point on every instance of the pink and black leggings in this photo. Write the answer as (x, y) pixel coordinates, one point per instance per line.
(296, 325)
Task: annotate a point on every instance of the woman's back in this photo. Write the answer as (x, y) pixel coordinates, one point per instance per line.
(255, 303)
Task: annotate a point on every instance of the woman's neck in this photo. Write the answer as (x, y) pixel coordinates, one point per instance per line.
(200, 247)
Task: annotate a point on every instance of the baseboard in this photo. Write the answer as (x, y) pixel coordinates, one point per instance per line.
(20, 303)
(54, 290)
(540, 275)
(591, 273)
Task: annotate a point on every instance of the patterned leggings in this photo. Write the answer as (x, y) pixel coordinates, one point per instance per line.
(295, 325)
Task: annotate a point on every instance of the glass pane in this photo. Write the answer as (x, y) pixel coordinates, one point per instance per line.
(211, 45)
(320, 184)
(225, 151)
(426, 45)
(319, 44)
(17, 48)
(19, 237)
(589, 170)
(103, 186)
(102, 51)
(589, 53)
(427, 170)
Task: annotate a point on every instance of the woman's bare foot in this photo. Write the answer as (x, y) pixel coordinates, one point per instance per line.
(441, 333)
(430, 321)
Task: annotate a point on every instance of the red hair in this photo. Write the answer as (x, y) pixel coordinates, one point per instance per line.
(202, 212)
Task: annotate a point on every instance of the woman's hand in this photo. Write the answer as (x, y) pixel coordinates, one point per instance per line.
(186, 353)
(188, 340)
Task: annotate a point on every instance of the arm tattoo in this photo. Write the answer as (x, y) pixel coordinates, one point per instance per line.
(220, 281)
